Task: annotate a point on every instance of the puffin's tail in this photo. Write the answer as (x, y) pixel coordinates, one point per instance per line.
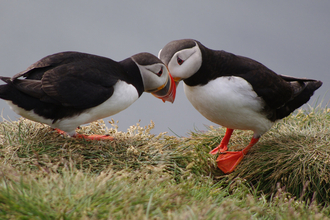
(5, 79)
(303, 90)
(6, 89)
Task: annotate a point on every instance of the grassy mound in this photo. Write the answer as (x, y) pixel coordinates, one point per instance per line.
(294, 155)
(140, 175)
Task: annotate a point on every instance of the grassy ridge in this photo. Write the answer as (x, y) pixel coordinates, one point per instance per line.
(294, 155)
(143, 176)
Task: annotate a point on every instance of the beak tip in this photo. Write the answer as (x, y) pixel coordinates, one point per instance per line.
(170, 89)
(169, 99)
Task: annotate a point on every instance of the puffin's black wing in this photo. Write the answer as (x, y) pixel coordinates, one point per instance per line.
(71, 79)
(282, 94)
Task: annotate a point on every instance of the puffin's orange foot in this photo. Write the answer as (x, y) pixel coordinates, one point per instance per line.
(228, 161)
(218, 149)
(60, 131)
(88, 137)
(94, 137)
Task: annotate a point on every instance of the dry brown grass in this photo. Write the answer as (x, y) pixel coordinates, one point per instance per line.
(289, 167)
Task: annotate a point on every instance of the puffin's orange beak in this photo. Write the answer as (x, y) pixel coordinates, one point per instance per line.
(177, 80)
(166, 92)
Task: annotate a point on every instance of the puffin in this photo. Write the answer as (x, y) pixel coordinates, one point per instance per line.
(234, 91)
(67, 89)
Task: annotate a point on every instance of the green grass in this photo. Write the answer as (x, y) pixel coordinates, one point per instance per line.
(44, 175)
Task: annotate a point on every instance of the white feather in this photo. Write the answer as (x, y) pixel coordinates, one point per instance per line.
(230, 102)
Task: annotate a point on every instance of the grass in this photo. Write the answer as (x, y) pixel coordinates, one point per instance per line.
(44, 175)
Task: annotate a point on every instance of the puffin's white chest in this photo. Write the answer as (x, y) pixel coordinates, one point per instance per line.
(123, 96)
(230, 102)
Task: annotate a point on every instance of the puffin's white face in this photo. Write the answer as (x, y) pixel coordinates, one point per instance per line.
(158, 81)
(184, 63)
(153, 76)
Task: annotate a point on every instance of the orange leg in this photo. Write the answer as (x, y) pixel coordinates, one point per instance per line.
(60, 131)
(223, 146)
(228, 161)
(89, 137)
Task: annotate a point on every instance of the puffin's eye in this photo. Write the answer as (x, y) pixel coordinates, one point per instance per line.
(160, 72)
(180, 61)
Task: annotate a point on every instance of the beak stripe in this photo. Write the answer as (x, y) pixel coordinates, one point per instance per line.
(167, 91)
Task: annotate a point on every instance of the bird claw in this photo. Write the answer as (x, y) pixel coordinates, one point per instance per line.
(218, 149)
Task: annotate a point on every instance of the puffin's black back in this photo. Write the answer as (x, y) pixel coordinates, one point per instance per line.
(65, 84)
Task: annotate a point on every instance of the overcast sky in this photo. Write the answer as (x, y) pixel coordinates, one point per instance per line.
(289, 37)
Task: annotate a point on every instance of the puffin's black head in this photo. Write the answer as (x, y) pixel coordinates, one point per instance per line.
(145, 59)
(155, 76)
(182, 57)
(174, 46)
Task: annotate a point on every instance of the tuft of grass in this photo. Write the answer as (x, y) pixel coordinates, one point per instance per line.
(44, 175)
(294, 155)
(35, 146)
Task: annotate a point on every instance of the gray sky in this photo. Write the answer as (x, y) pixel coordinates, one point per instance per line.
(289, 37)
